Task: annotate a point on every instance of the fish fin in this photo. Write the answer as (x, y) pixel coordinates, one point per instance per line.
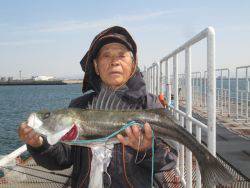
(214, 173)
(160, 111)
(109, 99)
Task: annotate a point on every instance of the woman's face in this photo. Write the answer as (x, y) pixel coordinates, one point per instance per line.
(114, 64)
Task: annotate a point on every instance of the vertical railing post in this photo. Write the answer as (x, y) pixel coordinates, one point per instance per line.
(151, 77)
(247, 90)
(241, 103)
(229, 94)
(221, 91)
(154, 75)
(189, 113)
(161, 78)
(198, 175)
(148, 79)
(168, 81)
(182, 156)
(153, 91)
(237, 94)
(157, 79)
(200, 90)
(205, 88)
(211, 120)
(176, 85)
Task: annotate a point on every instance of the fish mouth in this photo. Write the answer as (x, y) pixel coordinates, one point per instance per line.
(34, 122)
(56, 137)
(71, 135)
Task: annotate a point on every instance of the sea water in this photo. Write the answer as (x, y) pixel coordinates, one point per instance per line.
(17, 102)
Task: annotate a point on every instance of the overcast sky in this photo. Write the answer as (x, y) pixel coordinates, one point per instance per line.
(49, 37)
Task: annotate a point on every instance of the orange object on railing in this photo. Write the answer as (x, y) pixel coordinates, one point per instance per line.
(163, 100)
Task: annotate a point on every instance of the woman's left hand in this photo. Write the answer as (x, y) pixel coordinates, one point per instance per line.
(134, 134)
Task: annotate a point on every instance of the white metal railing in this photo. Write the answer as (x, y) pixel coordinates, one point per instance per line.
(210, 128)
(223, 93)
(197, 88)
(153, 78)
(12, 156)
(244, 109)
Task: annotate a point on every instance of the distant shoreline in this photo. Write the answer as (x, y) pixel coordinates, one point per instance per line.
(32, 82)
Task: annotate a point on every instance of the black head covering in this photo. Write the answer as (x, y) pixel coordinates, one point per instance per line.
(113, 34)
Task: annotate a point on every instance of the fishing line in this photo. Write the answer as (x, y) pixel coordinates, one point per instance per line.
(138, 149)
(105, 139)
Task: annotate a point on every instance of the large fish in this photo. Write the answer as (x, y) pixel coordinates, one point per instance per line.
(74, 124)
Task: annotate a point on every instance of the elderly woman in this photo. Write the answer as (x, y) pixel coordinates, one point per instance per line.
(111, 61)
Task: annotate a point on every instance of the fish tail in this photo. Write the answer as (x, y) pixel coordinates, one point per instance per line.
(214, 173)
(211, 169)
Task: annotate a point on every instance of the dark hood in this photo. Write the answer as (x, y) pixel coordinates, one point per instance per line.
(135, 88)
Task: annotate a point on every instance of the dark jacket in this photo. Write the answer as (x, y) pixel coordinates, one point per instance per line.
(123, 170)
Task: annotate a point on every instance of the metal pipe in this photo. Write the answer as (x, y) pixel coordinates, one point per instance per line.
(229, 94)
(153, 80)
(247, 90)
(237, 95)
(176, 85)
(12, 156)
(241, 108)
(205, 88)
(168, 82)
(189, 113)
(203, 34)
(221, 91)
(157, 78)
(198, 175)
(161, 78)
(195, 121)
(182, 157)
(211, 112)
(200, 90)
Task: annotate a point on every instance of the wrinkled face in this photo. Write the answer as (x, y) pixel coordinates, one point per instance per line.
(114, 64)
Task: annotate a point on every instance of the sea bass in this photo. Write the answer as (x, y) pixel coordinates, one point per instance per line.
(73, 124)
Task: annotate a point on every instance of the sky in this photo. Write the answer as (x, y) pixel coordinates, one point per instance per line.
(49, 37)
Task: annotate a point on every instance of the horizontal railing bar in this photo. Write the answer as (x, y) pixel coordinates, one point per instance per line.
(247, 66)
(225, 69)
(7, 159)
(197, 122)
(195, 39)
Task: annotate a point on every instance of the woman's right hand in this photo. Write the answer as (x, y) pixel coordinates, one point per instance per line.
(29, 136)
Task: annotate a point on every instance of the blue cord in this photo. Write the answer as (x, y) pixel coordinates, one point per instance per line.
(104, 139)
(153, 158)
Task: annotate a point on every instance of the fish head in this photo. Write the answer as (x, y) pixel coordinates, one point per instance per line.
(54, 125)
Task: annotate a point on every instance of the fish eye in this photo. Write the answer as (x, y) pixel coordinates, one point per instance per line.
(46, 115)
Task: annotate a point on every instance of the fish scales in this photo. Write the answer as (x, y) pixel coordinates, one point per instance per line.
(89, 123)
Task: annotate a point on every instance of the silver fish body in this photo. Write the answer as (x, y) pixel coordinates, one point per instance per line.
(77, 124)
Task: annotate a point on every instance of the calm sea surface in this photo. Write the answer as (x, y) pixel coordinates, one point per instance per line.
(17, 102)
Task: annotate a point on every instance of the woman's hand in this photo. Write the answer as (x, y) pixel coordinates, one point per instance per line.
(134, 134)
(29, 136)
